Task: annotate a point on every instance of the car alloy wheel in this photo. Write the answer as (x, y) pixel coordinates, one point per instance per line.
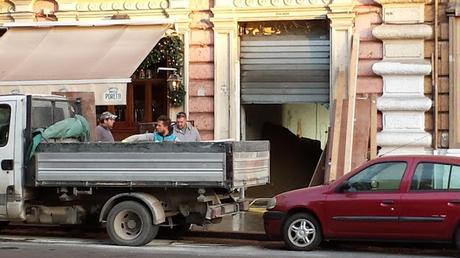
(302, 232)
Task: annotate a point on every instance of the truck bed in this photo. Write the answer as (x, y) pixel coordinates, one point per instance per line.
(191, 164)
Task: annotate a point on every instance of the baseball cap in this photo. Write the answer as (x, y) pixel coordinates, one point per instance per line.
(108, 115)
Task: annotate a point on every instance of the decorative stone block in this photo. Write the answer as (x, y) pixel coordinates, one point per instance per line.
(404, 13)
(403, 49)
(399, 121)
(402, 67)
(404, 103)
(399, 32)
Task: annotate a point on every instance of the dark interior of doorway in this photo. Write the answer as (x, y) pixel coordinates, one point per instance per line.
(293, 159)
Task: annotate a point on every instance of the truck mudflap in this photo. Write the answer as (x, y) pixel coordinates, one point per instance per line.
(224, 209)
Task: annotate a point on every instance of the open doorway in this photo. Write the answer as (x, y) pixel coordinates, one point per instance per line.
(297, 133)
(284, 67)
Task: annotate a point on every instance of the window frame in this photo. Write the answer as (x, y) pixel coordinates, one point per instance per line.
(9, 124)
(381, 191)
(434, 190)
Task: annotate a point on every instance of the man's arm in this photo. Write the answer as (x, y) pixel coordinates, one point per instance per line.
(146, 137)
(197, 137)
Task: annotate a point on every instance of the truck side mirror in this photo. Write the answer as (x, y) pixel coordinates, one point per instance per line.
(344, 186)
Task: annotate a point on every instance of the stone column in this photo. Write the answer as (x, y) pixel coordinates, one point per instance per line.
(6, 8)
(67, 10)
(341, 35)
(403, 68)
(23, 11)
(225, 36)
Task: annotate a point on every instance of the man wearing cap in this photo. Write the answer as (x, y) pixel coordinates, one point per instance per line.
(184, 130)
(106, 121)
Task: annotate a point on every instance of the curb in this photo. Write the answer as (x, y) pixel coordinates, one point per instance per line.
(229, 235)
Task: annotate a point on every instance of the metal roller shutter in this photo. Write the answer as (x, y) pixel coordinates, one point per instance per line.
(278, 69)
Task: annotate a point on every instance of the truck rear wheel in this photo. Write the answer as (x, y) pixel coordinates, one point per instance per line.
(130, 223)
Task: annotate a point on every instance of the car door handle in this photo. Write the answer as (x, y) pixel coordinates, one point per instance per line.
(454, 202)
(387, 202)
(7, 164)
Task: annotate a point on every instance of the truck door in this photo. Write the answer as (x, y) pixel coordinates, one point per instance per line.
(7, 132)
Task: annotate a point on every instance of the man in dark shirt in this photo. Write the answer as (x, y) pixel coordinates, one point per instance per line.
(106, 121)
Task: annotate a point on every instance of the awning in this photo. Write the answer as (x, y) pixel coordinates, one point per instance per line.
(104, 93)
(75, 56)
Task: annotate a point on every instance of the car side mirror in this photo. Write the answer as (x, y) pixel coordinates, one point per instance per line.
(344, 186)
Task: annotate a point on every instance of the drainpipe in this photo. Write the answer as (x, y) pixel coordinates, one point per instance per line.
(435, 77)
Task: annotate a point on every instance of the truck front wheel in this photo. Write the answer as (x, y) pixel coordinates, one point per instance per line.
(130, 223)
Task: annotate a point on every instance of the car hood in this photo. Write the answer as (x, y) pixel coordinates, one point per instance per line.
(299, 194)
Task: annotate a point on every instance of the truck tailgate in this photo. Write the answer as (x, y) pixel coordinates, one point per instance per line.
(251, 163)
(200, 164)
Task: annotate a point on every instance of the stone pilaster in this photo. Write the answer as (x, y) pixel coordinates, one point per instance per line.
(23, 11)
(6, 8)
(403, 68)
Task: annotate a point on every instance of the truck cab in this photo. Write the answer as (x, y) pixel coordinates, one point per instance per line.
(19, 116)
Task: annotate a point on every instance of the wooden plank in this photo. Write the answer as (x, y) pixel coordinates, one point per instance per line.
(361, 132)
(444, 62)
(337, 124)
(318, 175)
(373, 127)
(352, 78)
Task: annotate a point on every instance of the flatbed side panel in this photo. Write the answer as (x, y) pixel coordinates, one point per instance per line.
(92, 167)
(251, 163)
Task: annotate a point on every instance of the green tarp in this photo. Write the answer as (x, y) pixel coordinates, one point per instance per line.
(75, 127)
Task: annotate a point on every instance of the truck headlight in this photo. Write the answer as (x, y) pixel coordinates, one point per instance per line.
(271, 203)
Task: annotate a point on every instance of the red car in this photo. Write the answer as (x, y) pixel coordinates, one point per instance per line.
(389, 198)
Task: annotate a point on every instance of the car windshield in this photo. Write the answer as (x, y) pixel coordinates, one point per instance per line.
(47, 112)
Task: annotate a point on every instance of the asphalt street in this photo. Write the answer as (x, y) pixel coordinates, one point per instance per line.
(76, 243)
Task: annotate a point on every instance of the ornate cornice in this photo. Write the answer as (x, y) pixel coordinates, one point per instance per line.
(260, 10)
(382, 2)
(275, 3)
(6, 6)
(120, 5)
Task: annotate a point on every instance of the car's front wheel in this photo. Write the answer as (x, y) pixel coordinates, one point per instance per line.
(302, 232)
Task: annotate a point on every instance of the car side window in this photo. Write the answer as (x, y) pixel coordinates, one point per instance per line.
(454, 182)
(379, 177)
(431, 176)
(5, 115)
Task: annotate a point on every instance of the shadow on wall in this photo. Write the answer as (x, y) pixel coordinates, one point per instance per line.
(293, 161)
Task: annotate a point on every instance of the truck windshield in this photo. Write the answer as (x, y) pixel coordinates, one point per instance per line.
(48, 112)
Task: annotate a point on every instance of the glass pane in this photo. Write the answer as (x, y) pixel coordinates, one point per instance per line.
(455, 178)
(378, 177)
(5, 114)
(431, 176)
(42, 112)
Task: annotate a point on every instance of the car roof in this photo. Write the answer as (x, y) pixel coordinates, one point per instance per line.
(421, 158)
